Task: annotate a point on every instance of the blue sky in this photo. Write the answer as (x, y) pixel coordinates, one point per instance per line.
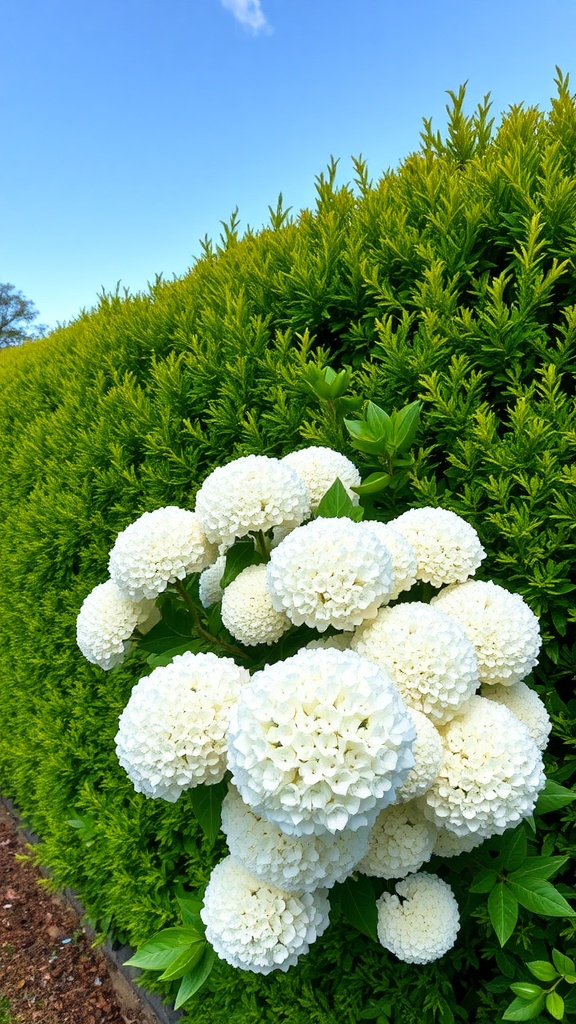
(131, 128)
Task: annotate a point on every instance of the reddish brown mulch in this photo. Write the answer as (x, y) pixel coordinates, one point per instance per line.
(48, 970)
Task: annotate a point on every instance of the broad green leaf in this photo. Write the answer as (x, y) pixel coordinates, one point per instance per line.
(538, 867)
(526, 990)
(185, 961)
(159, 951)
(363, 440)
(521, 1010)
(484, 881)
(163, 638)
(207, 806)
(239, 557)
(155, 660)
(540, 896)
(336, 503)
(514, 849)
(563, 963)
(542, 970)
(190, 907)
(359, 905)
(553, 796)
(373, 483)
(378, 421)
(405, 426)
(503, 911)
(194, 980)
(506, 964)
(555, 1005)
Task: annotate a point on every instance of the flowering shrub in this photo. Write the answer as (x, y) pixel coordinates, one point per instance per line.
(299, 663)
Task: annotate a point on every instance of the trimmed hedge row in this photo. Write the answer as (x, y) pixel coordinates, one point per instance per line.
(452, 280)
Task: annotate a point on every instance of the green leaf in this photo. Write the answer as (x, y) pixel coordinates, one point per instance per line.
(190, 907)
(207, 806)
(503, 911)
(540, 896)
(514, 849)
(195, 979)
(239, 557)
(538, 867)
(155, 660)
(405, 426)
(159, 951)
(521, 1010)
(373, 483)
(542, 970)
(553, 797)
(563, 963)
(359, 905)
(336, 503)
(185, 961)
(379, 422)
(363, 440)
(555, 1005)
(484, 881)
(526, 990)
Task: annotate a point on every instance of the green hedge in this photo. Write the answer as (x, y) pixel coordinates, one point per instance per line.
(452, 280)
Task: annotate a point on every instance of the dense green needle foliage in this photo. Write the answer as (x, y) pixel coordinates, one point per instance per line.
(452, 282)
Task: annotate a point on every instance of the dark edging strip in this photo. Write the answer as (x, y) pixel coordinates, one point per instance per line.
(152, 1002)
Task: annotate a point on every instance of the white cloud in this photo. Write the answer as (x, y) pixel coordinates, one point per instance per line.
(247, 12)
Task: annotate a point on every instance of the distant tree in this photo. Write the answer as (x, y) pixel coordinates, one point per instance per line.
(16, 316)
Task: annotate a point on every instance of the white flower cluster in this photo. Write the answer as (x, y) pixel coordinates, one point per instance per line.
(400, 842)
(319, 468)
(107, 620)
(447, 548)
(423, 923)
(248, 611)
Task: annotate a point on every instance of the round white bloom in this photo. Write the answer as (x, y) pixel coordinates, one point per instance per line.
(447, 548)
(248, 612)
(501, 626)
(209, 589)
(402, 554)
(427, 654)
(449, 845)
(293, 863)
(424, 925)
(256, 926)
(107, 620)
(491, 774)
(331, 572)
(319, 468)
(319, 742)
(401, 841)
(157, 549)
(527, 706)
(172, 733)
(428, 756)
(251, 494)
(338, 642)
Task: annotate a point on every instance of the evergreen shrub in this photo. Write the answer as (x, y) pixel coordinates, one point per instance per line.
(451, 280)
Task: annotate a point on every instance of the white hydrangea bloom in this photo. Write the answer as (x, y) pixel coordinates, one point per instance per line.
(319, 467)
(157, 549)
(107, 620)
(501, 626)
(527, 706)
(209, 589)
(402, 553)
(256, 926)
(319, 742)
(251, 494)
(427, 654)
(449, 845)
(338, 642)
(293, 863)
(400, 842)
(447, 548)
(424, 925)
(248, 612)
(172, 733)
(428, 756)
(491, 774)
(331, 572)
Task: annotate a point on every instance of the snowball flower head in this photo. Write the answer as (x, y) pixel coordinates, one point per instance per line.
(157, 549)
(427, 654)
(209, 589)
(258, 927)
(447, 548)
(424, 926)
(107, 620)
(501, 626)
(527, 706)
(331, 572)
(402, 554)
(428, 756)
(319, 742)
(172, 733)
(251, 494)
(248, 612)
(293, 863)
(491, 774)
(319, 468)
(449, 845)
(400, 842)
